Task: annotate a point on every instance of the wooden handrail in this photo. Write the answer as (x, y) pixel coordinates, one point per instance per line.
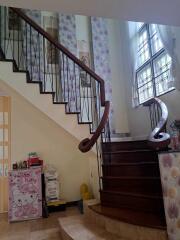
(86, 144)
(158, 139)
(64, 50)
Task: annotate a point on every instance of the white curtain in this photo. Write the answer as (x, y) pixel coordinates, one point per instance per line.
(167, 34)
(133, 42)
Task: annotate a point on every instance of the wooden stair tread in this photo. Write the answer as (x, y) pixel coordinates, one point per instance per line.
(130, 151)
(138, 195)
(131, 216)
(128, 141)
(131, 178)
(129, 163)
(78, 229)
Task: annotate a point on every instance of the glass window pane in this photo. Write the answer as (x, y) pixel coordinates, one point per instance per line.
(3, 152)
(1, 170)
(3, 134)
(145, 86)
(5, 117)
(6, 169)
(139, 25)
(163, 78)
(143, 47)
(156, 43)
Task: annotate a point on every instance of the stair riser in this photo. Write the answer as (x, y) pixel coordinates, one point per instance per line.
(115, 146)
(131, 170)
(129, 157)
(141, 186)
(131, 202)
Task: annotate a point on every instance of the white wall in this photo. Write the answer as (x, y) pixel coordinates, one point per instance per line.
(31, 130)
(161, 11)
(82, 29)
(118, 94)
(138, 118)
(117, 73)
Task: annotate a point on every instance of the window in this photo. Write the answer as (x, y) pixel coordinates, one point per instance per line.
(153, 75)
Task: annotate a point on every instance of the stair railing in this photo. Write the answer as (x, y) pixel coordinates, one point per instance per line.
(158, 138)
(59, 72)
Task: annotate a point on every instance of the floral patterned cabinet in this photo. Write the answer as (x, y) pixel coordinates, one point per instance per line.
(25, 195)
(169, 163)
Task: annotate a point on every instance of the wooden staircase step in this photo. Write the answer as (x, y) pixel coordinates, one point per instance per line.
(132, 201)
(130, 156)
(125, 145)
(134, 217)
(131, 169)
(76, 228)
(128, 184)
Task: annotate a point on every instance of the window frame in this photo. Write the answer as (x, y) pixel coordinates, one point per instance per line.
(150, 62)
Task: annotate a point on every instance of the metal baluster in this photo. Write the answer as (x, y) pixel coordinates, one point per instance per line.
(0, 27)
(74, 70)
(26, 55)
(13, 45)
(67, 72)
(31, 53)
(57, 85)
(18, 19)
(5, 31)
(80, 105)
(39, 56)
(52, 79)
(44, 63)
(150, 112)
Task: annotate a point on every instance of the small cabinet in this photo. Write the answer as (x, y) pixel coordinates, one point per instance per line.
(25, 194)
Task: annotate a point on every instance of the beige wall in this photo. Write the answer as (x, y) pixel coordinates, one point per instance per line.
(34, 131)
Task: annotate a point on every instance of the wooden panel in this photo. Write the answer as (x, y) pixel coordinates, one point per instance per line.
(132, 201)
(130, 156)
(132, 216)
(142, 185)
(125, 145)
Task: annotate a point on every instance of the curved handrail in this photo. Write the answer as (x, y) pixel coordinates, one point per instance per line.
(64, 50)
(86, 144)
(159, 139)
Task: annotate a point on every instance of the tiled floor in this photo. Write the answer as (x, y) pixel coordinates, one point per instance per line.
(40, 229)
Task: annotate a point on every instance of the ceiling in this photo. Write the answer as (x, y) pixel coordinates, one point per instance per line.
(155, 11)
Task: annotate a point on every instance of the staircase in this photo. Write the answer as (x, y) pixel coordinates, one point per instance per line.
(129, 178)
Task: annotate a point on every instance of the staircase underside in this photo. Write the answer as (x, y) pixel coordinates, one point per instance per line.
(31, 91)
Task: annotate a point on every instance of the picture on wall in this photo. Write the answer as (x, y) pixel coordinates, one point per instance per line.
(13, 21)
(52, 52)
(14, 28)
(84, 56)
(50, 24)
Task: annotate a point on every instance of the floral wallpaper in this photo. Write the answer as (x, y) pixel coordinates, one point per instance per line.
(67, 32)
(170, 178)
(101, 58)
(70, 86)
(34, 51)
